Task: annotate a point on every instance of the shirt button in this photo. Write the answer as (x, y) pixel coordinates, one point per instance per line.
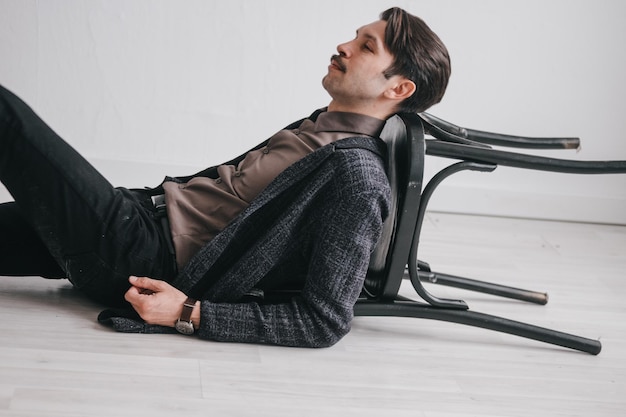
(218, 181)
(266, 151)
(296, 131)
(237, 173)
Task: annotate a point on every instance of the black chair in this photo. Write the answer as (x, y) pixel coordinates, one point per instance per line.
(395, 257)
(477, 148)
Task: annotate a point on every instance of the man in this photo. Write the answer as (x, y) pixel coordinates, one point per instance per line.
(303, 209)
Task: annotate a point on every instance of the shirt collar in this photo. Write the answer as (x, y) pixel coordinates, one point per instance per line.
(359, 124)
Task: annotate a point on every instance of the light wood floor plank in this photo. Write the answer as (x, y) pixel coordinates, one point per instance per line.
(56, 360)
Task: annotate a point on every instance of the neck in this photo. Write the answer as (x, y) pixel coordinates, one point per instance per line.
(369, 109)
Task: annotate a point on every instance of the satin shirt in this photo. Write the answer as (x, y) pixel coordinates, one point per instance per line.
(199, 209)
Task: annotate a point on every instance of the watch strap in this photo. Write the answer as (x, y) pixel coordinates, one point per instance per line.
(188, 306)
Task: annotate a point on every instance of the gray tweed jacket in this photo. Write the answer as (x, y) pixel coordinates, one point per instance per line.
(315, 224)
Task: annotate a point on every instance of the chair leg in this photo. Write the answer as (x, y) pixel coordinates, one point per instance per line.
(482, 286)
(471, 318)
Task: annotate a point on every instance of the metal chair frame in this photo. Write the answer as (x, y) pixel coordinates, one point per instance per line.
(395, 257)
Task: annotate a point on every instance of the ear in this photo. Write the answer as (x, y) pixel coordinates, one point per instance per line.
(403, 88)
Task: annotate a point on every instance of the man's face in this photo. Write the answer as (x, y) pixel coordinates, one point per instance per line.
(356, 74)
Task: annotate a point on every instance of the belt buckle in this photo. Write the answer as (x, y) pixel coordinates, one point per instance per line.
(158, 201)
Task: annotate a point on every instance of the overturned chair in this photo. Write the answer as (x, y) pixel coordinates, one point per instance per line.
(395, 257)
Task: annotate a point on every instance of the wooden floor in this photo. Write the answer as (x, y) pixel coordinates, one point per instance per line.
(55, 360)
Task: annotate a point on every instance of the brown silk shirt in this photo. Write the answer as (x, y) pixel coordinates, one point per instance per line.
(199, 209)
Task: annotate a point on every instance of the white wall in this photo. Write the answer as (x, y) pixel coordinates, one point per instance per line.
(145, 88)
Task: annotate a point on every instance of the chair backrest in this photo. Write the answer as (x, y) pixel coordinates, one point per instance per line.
(404, 136)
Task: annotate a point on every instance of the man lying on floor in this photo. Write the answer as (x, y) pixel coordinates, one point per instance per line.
(303, 209)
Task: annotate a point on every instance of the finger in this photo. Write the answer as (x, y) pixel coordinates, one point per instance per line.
(146, 283)
(132, 294)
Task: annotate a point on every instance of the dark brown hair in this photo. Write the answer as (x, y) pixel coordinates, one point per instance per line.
(419, 55)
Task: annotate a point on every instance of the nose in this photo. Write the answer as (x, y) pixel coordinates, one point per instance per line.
(344, 49)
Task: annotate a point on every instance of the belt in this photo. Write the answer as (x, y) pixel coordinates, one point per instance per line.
(158, 201)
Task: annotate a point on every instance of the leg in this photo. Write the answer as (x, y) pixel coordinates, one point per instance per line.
(97, 234)
(21, 250)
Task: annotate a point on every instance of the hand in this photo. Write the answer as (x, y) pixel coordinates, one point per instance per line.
(157, 302)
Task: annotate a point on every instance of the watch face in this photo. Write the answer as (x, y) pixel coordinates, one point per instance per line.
(184, 327)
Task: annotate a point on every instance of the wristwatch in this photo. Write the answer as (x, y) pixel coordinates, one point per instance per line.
(184, 324)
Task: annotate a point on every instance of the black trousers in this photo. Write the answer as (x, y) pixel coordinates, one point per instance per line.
(67, 220)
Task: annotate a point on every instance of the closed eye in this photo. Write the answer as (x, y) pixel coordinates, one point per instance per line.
(370, 42)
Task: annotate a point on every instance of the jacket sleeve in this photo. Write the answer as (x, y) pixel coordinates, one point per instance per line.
(343, 238)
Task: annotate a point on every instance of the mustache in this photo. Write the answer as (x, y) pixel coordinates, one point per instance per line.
(338, 61)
